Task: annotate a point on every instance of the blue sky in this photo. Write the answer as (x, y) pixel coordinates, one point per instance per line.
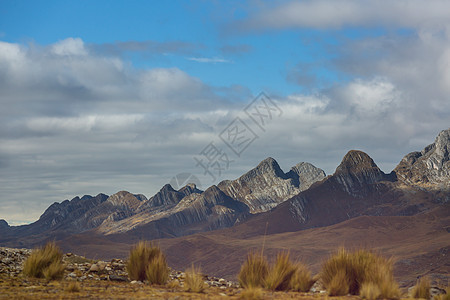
(262, 60)
(103, 96)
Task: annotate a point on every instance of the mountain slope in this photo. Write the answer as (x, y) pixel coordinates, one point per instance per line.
(266, 186)
(429, 167)
(358, 187)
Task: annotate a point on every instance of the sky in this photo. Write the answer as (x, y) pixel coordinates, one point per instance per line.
(103, 96)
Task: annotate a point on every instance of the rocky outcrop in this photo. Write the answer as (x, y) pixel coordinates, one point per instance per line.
(4, 225)
(168, 197)
(356, 171)
(305, 174)
(266, 186)
(212, 209)
(431, 166)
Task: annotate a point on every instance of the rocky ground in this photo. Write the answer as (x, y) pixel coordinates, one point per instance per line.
(89, 279)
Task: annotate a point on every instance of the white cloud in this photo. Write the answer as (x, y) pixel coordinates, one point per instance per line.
(70, 46)
(335, 14)
(209, 60)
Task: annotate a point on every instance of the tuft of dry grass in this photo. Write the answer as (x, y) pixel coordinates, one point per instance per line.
(252, 293)
(357, 268)
(73, 287)
(173, 284)
(194, 280)
(254, 271)
(302, 280)
(45, 262)
(338, 285)
(157, 270)
(369, 291)
(422, 288)
(141, 256)
(54, 271)
(281, 273)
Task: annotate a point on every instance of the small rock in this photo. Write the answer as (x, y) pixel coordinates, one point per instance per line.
(72, 275)
(136, 282)
(94, 268)
(101, 265)
(434, 291)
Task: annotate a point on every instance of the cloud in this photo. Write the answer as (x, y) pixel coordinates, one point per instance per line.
(77, 121)
(209, 60)
(148, 47)
(336, 14)
(70, 46)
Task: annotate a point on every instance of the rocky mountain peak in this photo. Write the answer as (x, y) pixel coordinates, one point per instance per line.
(267, 166)
(124, 199)
(3, 224)
(357, 169)
(189, 188)
(266, 186)
(305, 174)
(167, 196)
(429, 166)
(355, 161)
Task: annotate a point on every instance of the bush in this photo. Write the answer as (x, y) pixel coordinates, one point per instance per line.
(146, 259)
(45, 262)
(157, 270)
(194, 280)
(54, 271)
(357, 268)
(422, 288)
(302, 280)
(338, 285)
(369, 291)
(254, 271)
(280, 274)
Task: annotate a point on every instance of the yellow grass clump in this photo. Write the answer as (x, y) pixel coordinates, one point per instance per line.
(194, 280)
(353, 269)
(254, 271)
(45, 262)
(157, 270)
(422, 288)
(338, 285)
(147, 261)
(302, 280)
(369, 291)
(280, 273)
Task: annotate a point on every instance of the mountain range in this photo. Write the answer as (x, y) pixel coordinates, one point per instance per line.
(264, 202)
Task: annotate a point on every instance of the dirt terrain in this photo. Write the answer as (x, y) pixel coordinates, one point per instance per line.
(419, 244)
